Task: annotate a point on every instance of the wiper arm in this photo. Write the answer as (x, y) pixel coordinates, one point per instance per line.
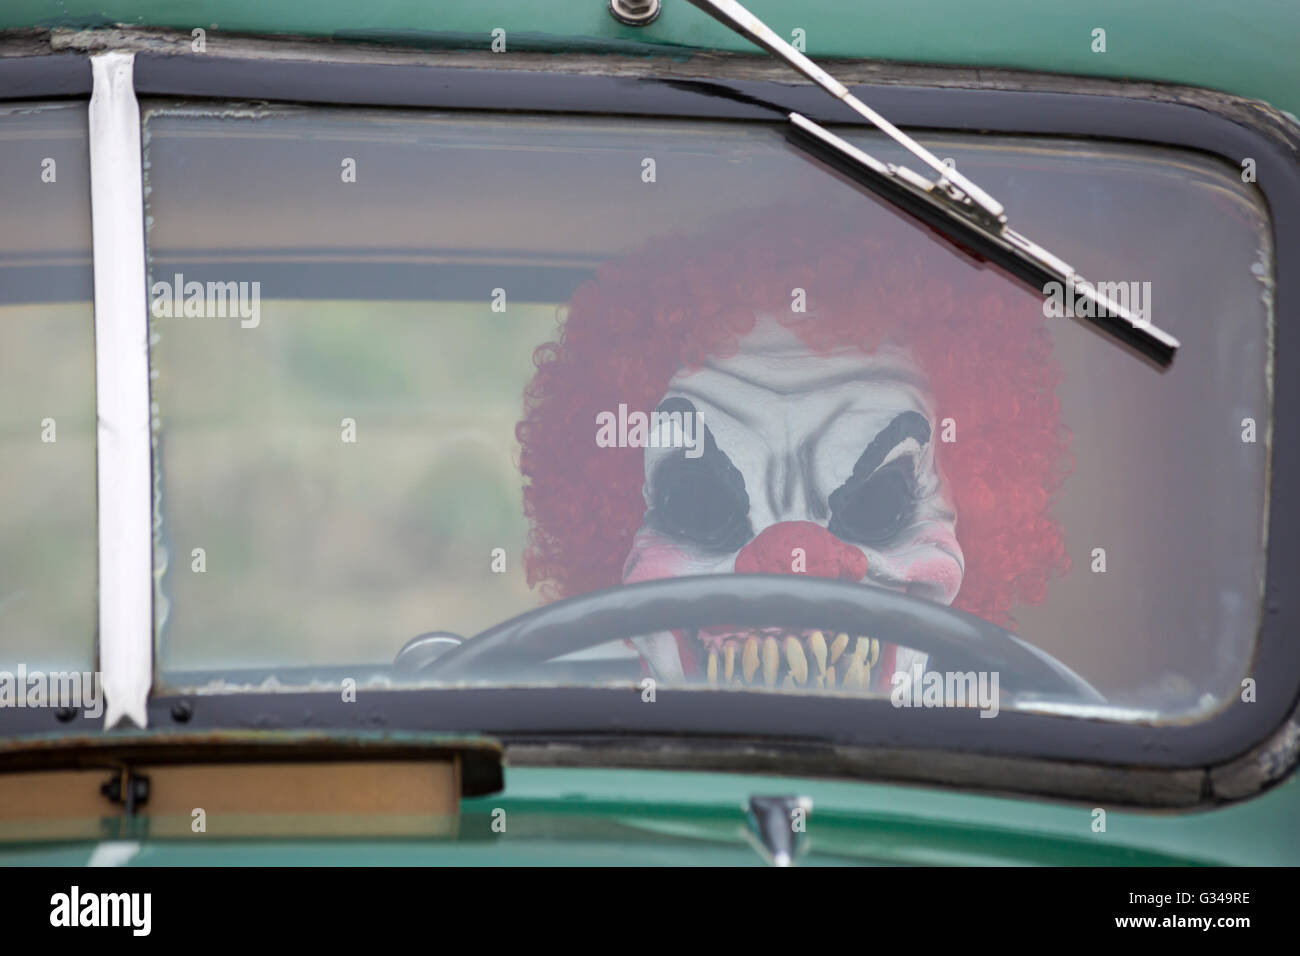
(951, 203)
(735, 16)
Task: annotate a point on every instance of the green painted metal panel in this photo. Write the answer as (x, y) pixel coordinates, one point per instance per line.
(639, 817)
(1243, 48)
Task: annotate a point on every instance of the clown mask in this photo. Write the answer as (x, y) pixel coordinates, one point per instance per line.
(819, 463)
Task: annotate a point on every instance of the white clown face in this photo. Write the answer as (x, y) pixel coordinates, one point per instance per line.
(815, 463)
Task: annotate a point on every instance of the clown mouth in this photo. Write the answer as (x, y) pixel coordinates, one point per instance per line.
(787, 658)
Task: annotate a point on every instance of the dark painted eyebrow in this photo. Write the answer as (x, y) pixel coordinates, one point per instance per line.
(716, 458)
(908, 424)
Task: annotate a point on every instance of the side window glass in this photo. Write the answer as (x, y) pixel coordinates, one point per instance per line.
(47, 391)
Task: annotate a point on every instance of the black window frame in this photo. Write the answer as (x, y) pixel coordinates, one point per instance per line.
(1246, 746)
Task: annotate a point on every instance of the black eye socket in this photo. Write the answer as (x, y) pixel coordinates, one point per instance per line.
(701, 500)
(873, 511)
(693, 501)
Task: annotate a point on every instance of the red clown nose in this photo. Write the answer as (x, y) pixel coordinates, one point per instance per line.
(777, 551)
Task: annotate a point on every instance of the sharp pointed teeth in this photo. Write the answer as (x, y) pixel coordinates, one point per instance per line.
(788, 682)
(855, 676)
(771, 661)
(861, 649)
(830, 678)
(797, 660)
(875, 651)
(713, 667)
(749, 660)
(818, 644)
(837, 647)
(730, 666)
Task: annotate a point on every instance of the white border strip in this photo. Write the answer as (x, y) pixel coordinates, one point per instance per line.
(121, 391)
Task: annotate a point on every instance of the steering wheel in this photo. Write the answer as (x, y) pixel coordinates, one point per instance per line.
(956, 641)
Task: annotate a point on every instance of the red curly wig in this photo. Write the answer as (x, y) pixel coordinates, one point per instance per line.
(979, 339)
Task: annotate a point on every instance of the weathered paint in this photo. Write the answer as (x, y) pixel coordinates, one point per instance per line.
(1247, 49)
(635, 817)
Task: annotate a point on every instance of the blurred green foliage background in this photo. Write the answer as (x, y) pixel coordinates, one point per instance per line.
(321, 550)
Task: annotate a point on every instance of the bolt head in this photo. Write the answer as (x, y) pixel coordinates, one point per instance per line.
(635, 13)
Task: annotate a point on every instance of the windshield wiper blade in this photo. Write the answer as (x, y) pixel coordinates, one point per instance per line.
(951, 203)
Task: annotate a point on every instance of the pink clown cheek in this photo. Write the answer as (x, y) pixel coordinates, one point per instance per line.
(651, 561)
(938, 578)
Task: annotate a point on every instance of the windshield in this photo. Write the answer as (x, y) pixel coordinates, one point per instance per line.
(47, 395)
(425, 372)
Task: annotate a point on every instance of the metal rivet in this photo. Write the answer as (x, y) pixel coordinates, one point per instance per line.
(65, 714)
(636, 13)
(182, 711)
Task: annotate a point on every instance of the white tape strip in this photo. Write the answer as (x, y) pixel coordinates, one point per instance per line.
(121, 392)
